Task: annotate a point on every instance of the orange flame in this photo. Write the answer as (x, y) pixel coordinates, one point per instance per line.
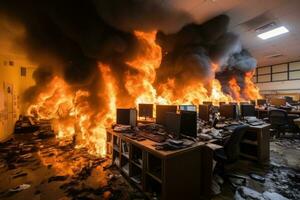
(72, 116)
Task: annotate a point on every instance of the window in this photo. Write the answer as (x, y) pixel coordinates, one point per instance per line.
(279, 72)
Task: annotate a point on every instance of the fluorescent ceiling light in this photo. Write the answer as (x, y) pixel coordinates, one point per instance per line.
(272, 33)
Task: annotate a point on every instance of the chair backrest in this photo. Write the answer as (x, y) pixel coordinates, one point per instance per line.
(232, 146)
(278, 117)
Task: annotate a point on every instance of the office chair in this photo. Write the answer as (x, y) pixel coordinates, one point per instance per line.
(230, 153)
(280, 122)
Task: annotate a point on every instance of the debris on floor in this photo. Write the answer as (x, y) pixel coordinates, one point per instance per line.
(35, 167)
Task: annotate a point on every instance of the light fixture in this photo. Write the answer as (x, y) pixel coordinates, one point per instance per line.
(272, 33)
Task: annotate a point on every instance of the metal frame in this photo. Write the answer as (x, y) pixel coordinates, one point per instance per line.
(271, 73)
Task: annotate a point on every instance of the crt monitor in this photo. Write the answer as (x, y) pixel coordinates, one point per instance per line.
(188, 107)
(161, 111)
(188, 123)
(247, 110)
(126, 116)
(146, 110)
(173, 124)
(261, 102)
(228, 111)
(204, 112)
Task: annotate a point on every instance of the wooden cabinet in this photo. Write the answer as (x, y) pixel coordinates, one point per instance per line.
(180, 174)
(255, 144)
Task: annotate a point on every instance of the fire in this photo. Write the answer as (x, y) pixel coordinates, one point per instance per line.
(73, 117)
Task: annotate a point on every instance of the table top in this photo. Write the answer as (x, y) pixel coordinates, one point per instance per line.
(148, 145)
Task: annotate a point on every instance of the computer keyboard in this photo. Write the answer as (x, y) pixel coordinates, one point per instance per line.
(257, 123)
(153, 137)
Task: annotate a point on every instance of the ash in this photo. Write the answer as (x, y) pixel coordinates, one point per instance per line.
(35, 168)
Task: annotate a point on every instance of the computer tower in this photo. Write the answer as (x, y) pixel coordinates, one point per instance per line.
(146, 110)
(173, 124)
(188, 123)
(127, 116)
(204, 112)
(228, 111)
(161, 111)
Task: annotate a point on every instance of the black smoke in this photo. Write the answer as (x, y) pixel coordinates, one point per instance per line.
(69, 38)
(193, 52)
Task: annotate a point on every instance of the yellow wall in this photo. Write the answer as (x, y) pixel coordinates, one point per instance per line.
(11, 80)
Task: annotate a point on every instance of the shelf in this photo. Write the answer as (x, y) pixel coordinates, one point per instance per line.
(251, 142)
(116, 148)
(153, 186)
(125, 169)
(248, 156)
(137, 182)
(126, 155)
(136, 164)
(154, 177)
(154, 166)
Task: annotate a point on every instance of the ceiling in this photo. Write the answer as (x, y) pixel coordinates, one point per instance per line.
(283, 12)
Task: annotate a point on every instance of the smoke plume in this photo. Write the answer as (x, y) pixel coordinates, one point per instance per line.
(69, 38)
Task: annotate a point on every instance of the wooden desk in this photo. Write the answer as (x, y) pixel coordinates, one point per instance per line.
(255, 144)
(179, 174)
(263, 113)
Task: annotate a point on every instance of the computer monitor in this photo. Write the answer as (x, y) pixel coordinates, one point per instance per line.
(222, 103)
(247, 110)
(228, 111)
(289, 99)
(244, 102)
(161, 111)
(188, 123)
(204, 112)
(261, 102)
(253, 102)
(173, 124)
(188, 107)
(207, 103)
(278, 102)
(126, 116)
(146, 110)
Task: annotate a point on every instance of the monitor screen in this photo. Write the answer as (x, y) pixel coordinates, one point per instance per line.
(247, 110)
(204, 112)
(188, 123)
(228, 111)
(146, 110)
(261, 102)
(188, 107)
(161, 111)
(173, 124)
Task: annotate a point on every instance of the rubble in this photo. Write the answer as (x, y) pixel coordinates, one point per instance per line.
(74, 172)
